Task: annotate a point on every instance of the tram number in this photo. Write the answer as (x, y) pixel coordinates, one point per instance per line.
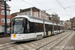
(14, 36)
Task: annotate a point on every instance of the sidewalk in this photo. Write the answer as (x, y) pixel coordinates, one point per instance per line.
(2, 36)
(5, 40)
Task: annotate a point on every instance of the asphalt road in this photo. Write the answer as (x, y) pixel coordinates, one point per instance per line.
(34, 44)
(5, 40)
(71, 44)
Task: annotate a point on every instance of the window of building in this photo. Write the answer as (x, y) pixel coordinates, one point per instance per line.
(3, 12)
(8, 20)
(3, 20)
(35, 14)
(8, 12)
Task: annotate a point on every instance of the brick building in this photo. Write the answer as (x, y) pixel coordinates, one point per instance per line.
(13, 15)
(72, 22)
(2, 17)
(35, 12)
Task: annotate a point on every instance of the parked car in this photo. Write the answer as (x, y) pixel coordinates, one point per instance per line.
(2, 33)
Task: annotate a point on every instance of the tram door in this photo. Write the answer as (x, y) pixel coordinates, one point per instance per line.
(46, 26)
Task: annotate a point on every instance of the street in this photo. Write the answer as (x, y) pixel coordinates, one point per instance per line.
(37, 25)
(5, 40)
(63, 41)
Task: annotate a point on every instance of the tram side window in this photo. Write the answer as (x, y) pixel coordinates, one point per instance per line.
(51, 27)
(59, 28)
(32, 27)
(46, 26)
(41, 27)
(55, 27)
(38, 27)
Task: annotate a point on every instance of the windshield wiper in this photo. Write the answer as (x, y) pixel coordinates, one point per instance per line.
(19, 30)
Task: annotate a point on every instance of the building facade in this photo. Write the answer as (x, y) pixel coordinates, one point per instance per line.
(67, 24)
(2, 17)
(72, 22)
(13, 15)
(35, 12)
(62, 22)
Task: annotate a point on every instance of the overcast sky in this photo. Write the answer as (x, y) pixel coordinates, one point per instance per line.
(55, 7)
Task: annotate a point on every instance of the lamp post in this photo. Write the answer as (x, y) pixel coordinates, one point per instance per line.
(44, 26)
(53, 27)
(5, 15)
(57, 27)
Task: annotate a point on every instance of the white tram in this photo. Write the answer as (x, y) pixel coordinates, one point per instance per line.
(26, 28)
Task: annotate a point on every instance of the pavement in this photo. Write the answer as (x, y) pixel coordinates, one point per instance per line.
(5, 40)
(71, 44)
(43, 44)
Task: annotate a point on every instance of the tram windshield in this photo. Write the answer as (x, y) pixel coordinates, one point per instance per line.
(17, 27)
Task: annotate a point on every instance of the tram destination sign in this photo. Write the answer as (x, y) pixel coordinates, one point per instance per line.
(18, 19)
(7, 0)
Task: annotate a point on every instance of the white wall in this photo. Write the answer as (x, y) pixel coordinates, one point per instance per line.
(1, 28)
(25, 13)
(8, 29)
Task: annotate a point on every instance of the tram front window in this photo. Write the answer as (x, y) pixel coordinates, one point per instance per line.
(18, 27)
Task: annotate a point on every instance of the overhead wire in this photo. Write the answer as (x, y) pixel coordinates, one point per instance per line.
(63, 7)
(50, 9)
(69, 6)
(28, 3)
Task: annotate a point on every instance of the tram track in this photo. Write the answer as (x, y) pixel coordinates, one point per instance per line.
(14, 44)
(61, 41)
(64, 48)
(51, 42)
(36, 44)
(42, 42)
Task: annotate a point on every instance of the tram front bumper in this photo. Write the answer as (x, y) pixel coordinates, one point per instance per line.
(18, 40)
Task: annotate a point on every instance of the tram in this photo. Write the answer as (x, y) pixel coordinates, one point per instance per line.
(26, 28)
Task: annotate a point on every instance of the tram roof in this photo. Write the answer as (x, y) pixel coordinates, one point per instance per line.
(38, 20)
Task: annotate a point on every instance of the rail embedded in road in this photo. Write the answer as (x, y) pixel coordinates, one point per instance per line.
(43, 44)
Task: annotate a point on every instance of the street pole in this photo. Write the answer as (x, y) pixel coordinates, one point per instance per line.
(44, 26)
(5, 18)
(53, 27)
(5, 15)
(57, 27)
